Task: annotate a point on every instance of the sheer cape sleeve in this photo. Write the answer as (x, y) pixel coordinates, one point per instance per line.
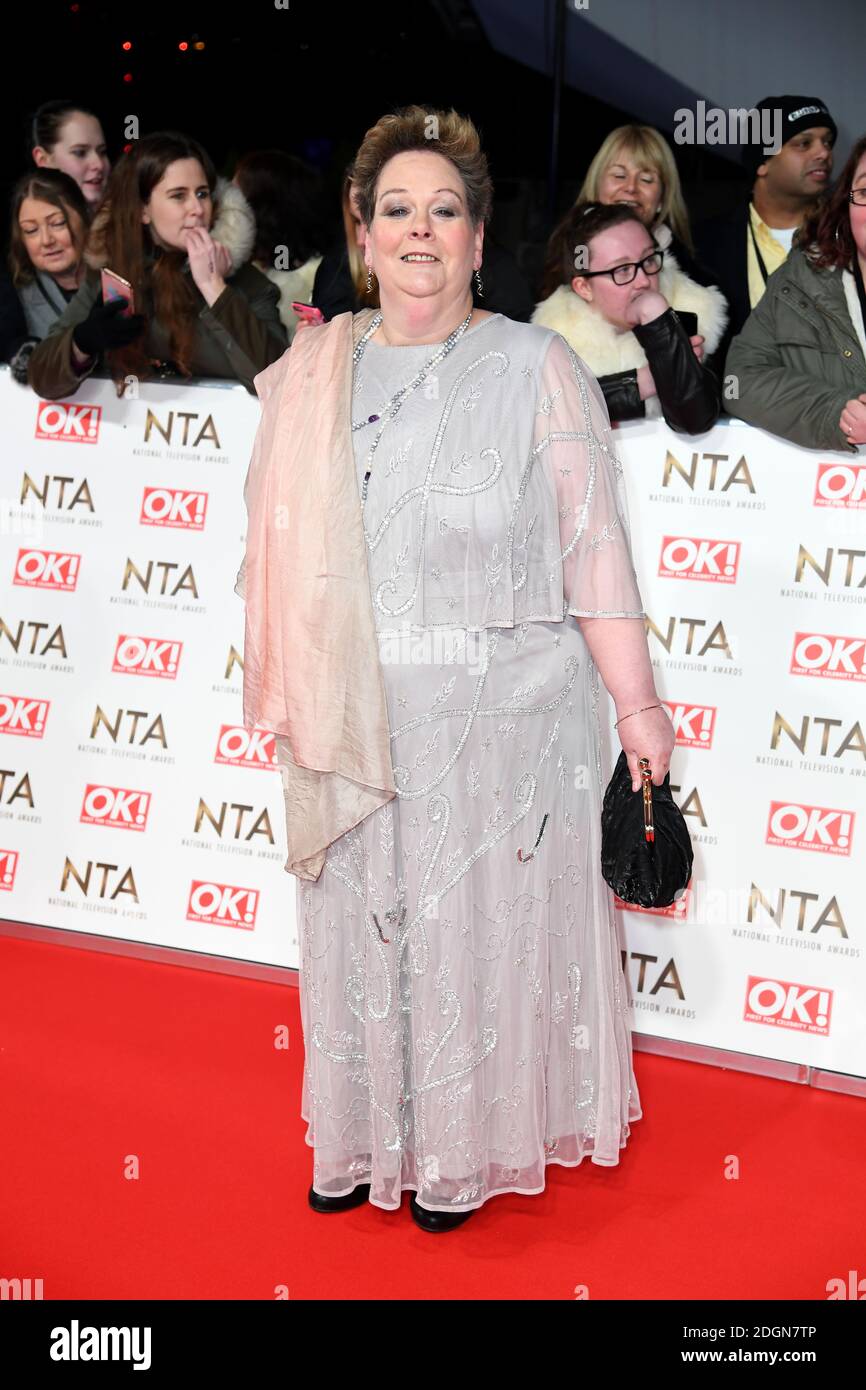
(573, 443)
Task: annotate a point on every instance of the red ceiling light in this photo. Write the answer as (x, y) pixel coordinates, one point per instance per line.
(126, 46)
(183, 47)
(127, 77)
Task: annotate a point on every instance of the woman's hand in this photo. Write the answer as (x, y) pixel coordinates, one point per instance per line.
(852, 421)
(204, 263)
(645, 307)
(647, 735)
(697, 343)
(223, 262)
(646, 383)
(105, 327)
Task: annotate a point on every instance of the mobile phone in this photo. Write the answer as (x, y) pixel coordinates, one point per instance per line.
(688, 320)
(308, 311)
(115, 287)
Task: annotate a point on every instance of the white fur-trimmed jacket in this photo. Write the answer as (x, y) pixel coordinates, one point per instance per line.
(688, 393)
(234, 225)
(604, 348)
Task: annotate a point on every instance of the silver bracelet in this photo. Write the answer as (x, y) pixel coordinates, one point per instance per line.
(636, 711)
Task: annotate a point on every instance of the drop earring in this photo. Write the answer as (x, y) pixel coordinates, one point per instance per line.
(478, 281)
(369, 279)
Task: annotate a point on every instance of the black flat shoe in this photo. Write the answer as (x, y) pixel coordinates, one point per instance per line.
(355, 1198)
(436, 1220)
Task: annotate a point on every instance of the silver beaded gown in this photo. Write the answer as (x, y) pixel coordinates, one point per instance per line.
(464, 1009)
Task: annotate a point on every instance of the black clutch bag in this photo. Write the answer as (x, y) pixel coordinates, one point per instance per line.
(646, 851)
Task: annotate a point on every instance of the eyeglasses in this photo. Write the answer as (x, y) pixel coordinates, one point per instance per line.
(624, 274)
(858, 196)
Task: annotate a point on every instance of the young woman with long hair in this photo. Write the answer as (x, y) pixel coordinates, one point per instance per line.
(196, 313)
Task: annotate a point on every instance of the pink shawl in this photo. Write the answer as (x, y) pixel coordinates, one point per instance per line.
(312, 672)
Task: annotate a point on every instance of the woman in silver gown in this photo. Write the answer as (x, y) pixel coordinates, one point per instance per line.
(464, 1009)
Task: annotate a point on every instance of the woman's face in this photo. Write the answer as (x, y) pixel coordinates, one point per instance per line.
(79, 152)
(180, 201)
(628, 242)
(421, 241)
(636, 185)
(49, 236)
(858, 214)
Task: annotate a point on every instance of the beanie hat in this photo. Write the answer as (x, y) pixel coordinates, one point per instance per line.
(797, 114)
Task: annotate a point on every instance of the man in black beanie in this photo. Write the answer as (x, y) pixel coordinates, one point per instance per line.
(745, 246)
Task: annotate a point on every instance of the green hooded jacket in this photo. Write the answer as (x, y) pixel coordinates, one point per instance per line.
(799, 357)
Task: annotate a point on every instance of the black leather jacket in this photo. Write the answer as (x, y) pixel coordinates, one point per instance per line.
(688, 392)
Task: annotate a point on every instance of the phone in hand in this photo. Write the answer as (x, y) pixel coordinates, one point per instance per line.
(115, 287)
(688, 320)
(308, 311)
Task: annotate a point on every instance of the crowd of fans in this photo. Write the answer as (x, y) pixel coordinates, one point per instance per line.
(758, 313)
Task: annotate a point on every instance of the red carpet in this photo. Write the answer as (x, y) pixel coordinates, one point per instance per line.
(103, 1058)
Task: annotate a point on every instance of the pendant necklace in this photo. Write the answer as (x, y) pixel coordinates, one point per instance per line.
(389, 411)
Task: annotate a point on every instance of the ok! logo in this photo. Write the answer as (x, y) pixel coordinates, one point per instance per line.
(222, 905)
(785, 1004)
(23, 716)
(694, 725)
(840, 485)
(175, 507)
(694, 557)
(121, 808)
(240, 747)
(47, 569)
(68, 423)
(796, 825)
(147, 656)
(832, 657)
(8, 869)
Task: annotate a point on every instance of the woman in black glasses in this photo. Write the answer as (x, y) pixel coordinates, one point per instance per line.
(639, 322)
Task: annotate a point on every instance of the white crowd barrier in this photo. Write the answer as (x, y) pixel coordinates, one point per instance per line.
(751, 559)
(134, 805)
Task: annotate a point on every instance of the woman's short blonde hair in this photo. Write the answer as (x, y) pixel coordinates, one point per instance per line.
(649, 148)
(424, 128)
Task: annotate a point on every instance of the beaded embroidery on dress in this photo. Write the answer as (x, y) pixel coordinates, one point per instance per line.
(464, 1009)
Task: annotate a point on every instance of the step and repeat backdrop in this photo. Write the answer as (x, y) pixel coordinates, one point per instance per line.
(134, 804)
(751, 557)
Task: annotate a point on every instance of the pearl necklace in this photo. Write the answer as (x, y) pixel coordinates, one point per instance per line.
(389, 411)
